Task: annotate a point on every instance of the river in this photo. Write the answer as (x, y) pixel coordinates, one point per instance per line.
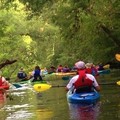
(52, 104)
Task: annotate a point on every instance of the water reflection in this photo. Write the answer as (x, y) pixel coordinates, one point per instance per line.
(17, 109)
(44, 114)
(2, 100)
(84, 112)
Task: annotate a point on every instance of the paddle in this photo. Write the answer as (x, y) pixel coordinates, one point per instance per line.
(66, 77)
(44, 87)
(16, 85)
(117, 56)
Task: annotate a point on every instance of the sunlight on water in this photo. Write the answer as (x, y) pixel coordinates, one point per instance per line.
(20, 115)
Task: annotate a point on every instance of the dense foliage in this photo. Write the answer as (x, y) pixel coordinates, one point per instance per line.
(52, 32)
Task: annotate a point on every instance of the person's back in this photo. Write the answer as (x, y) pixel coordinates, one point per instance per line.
(82, 80)
(88, 68)
(37, 74)
(21, 75)
(60, 68)
(100, 67)
(3, 82)
(66, 69)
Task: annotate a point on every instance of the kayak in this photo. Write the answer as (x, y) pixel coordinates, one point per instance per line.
(83, 98)
(117, 56)
(63, 74)
(38, 82)
(2, 94)
(2, 99)
(106, 71)
(41, 87)
(27, 83)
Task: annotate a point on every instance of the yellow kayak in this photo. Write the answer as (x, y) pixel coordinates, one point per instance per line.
(63, 74)
(117, 56)
(41, 87)
(118, 83)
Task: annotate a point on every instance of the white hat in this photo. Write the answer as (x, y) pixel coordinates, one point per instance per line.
(80, 65)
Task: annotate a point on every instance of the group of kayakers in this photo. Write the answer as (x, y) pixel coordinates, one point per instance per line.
(84, 78)
(36, 74)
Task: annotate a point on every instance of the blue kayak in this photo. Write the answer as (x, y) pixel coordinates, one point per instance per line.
(83, 98)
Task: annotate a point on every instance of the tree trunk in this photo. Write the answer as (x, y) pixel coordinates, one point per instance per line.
(109, 33)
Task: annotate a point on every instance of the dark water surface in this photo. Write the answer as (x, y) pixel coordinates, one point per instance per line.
(52, 104)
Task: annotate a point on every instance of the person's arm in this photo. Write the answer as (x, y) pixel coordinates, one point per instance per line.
(71, 82)
(95, 84)
(5, 82)
(98, 88)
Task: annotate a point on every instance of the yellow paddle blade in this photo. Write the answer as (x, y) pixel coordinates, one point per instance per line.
(117, 56)
(41, 87)
(106, 66)
(118, 83)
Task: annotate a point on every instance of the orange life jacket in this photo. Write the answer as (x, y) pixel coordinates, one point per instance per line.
(82, 80)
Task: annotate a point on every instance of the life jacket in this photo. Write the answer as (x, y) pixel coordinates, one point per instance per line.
(82, 80)
(60, 69)
(89, 70)
(21, 75)
(3, 86)
(37, 75)
(1, 81)
(37, 72)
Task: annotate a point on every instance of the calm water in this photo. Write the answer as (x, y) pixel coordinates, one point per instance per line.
(52, 104)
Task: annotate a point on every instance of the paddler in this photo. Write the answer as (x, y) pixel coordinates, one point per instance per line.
(82, 82)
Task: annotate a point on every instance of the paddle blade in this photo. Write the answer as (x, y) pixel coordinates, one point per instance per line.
(106, 66)
(118, 83)
(65, 78)
(117, 56)
(17, 85)
(41, 87)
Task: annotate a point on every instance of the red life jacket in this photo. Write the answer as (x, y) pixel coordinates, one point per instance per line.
(83, 80)
(1, 81)
(6, 87)
(89, 70)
